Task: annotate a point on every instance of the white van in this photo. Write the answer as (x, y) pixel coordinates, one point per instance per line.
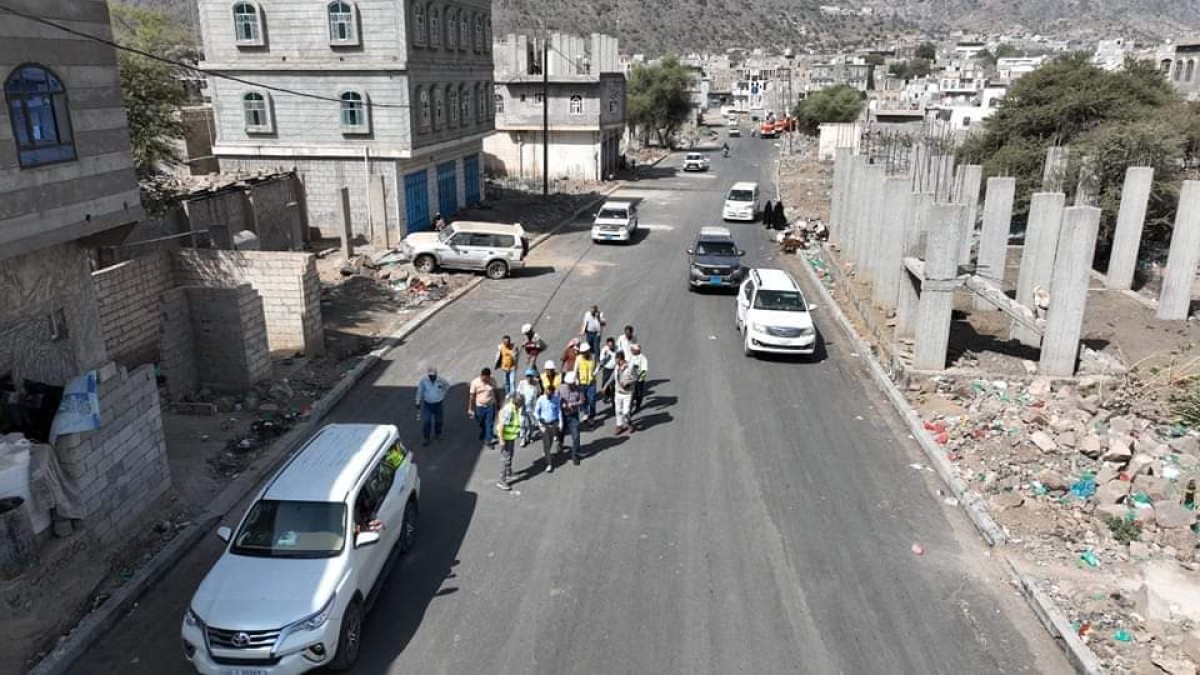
(615, 221)
(741, 203)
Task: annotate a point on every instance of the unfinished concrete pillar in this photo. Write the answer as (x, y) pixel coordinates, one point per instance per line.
(1175, 301)
(1054, 171)
(1131, 218)
(1087, 190)
(919, 210)
(936, 306)
(857, 211)
(1068, 297)
(1037, 256)
(890, 248)
(347, 229)
(969, 184)
(993, 239)
(841, 171)
(872, 212)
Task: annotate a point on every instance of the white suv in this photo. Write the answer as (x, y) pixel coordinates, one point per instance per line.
(494, 248)
(301, 569)
(695, 161)
(773, 315)
(615, 221)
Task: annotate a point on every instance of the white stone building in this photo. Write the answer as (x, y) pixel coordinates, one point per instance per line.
(389, 99)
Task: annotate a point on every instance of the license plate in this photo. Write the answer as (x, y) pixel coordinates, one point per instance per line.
(243, 671)
(714, 281)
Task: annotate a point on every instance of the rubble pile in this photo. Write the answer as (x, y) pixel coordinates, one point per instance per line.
(1091, 493)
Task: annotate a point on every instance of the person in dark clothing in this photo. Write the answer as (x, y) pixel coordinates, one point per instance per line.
(779, 222)
(768, 213)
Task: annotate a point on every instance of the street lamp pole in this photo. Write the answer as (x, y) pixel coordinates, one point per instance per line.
(790, 56)
(546, 116)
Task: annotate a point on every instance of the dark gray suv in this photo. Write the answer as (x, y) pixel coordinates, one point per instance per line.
(715, 261)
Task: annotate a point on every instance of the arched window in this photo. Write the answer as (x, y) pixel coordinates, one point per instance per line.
(480, 103)
(498, 103)
(452, 103)
(354, 112)
(464, 105)
(426, 109)
(342, 28)
(435, 27)
(464, 30)
(614, 104)
(478, 33)
(439, 108)
(257, 110)
(576, 105)
(421, 31)
(1191, 70)
(451, 28)
(1178, 71)
(41, 120)
(247, 24)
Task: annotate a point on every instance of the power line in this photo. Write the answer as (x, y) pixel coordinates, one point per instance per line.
(180, 64)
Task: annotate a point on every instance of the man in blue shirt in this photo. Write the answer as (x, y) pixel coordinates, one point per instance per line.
(431, 393)
(548, 413)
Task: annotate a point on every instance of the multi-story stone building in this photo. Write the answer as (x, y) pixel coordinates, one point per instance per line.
(585, 104)
(1180, 64)
(389, 99)
(854, 72)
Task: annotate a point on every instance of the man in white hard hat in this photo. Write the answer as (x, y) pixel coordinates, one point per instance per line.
(550, 375)
(585, 372)
(534, 345)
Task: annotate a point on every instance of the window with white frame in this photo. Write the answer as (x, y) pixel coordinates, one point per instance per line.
(247, 24)
(452, 103)
(451, 18)
(435, 27)
(420, 29)
(577, 105)
(464, 30)
(256, 106)
(41, 120)
(439, 108)
(354, 113)
(478, 33)
(425, 108)
(343, 29)
(464, 105)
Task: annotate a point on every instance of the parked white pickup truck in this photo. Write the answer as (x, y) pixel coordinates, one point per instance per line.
(695, 161)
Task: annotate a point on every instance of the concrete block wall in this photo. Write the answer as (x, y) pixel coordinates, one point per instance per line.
(177, 349)
(287, 283)
(230, 336)
(121, 468)
(128, 295)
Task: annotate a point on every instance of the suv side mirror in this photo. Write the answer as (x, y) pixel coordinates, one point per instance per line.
(364, 539)
(741, 253)
(224, 534)
(691, 251)
(812, 307)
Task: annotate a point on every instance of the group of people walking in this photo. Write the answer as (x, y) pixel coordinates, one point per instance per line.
(516, 403)
(773, 217)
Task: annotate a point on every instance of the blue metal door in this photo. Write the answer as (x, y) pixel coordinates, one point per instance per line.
(416, 200)
(447, 178)
(471, 178)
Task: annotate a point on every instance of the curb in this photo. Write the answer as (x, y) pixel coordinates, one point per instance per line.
(1081, 657)
(974, 506)
(93, 626)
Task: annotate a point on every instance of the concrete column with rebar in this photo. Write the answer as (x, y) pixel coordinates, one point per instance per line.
(1054, 171)
(1175, 301)
(969, 185)
(841, 173)
(993, 238)
(919, 214)
(897, 199)
(1131, 218)
(864, 245)
(1037, 256)
(1068, 298)
(936, 306)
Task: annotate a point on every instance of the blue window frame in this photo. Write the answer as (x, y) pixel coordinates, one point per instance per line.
(41, 120)
(416, 201)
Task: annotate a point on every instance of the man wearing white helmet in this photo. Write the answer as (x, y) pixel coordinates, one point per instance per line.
(572, 403)
(551, 378)
(534, 344)
(585, 373)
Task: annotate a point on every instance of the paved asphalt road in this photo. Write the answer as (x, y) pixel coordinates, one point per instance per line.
(760, 520)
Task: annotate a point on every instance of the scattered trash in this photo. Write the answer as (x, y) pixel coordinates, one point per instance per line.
(1090, 558)
(1123, 635)
(1084, 487)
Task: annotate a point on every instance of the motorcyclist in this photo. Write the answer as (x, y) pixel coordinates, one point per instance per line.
(725, 148)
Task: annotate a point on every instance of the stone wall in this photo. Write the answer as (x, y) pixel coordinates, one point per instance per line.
(287, 283)
(230, 336)
(121, 468)
(128, 295)
(177, 349)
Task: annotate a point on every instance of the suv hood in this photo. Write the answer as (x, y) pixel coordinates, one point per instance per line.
(717, 260)
(782, 319)
(422, 239)
(246, 593)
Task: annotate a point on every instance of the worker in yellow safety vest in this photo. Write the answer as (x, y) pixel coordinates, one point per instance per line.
(551, 378)
(585, 376)
(511, 419)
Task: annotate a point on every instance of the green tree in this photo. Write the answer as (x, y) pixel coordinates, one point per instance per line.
(907, 70)
(927, 51)
(657, 98)
(150, 89)
(839, 103)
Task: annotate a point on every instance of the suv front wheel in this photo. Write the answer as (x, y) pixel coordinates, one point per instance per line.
(349, 638)
(425, 264)
(497, 269)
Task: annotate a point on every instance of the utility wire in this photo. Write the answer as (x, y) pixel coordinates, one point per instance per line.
(180, 64)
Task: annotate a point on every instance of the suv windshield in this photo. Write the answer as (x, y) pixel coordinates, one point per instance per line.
(740, 195)
(445, 234)
(725, 249)
(612, 214)
(695, 156)
(779, 301)
(286, 529)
